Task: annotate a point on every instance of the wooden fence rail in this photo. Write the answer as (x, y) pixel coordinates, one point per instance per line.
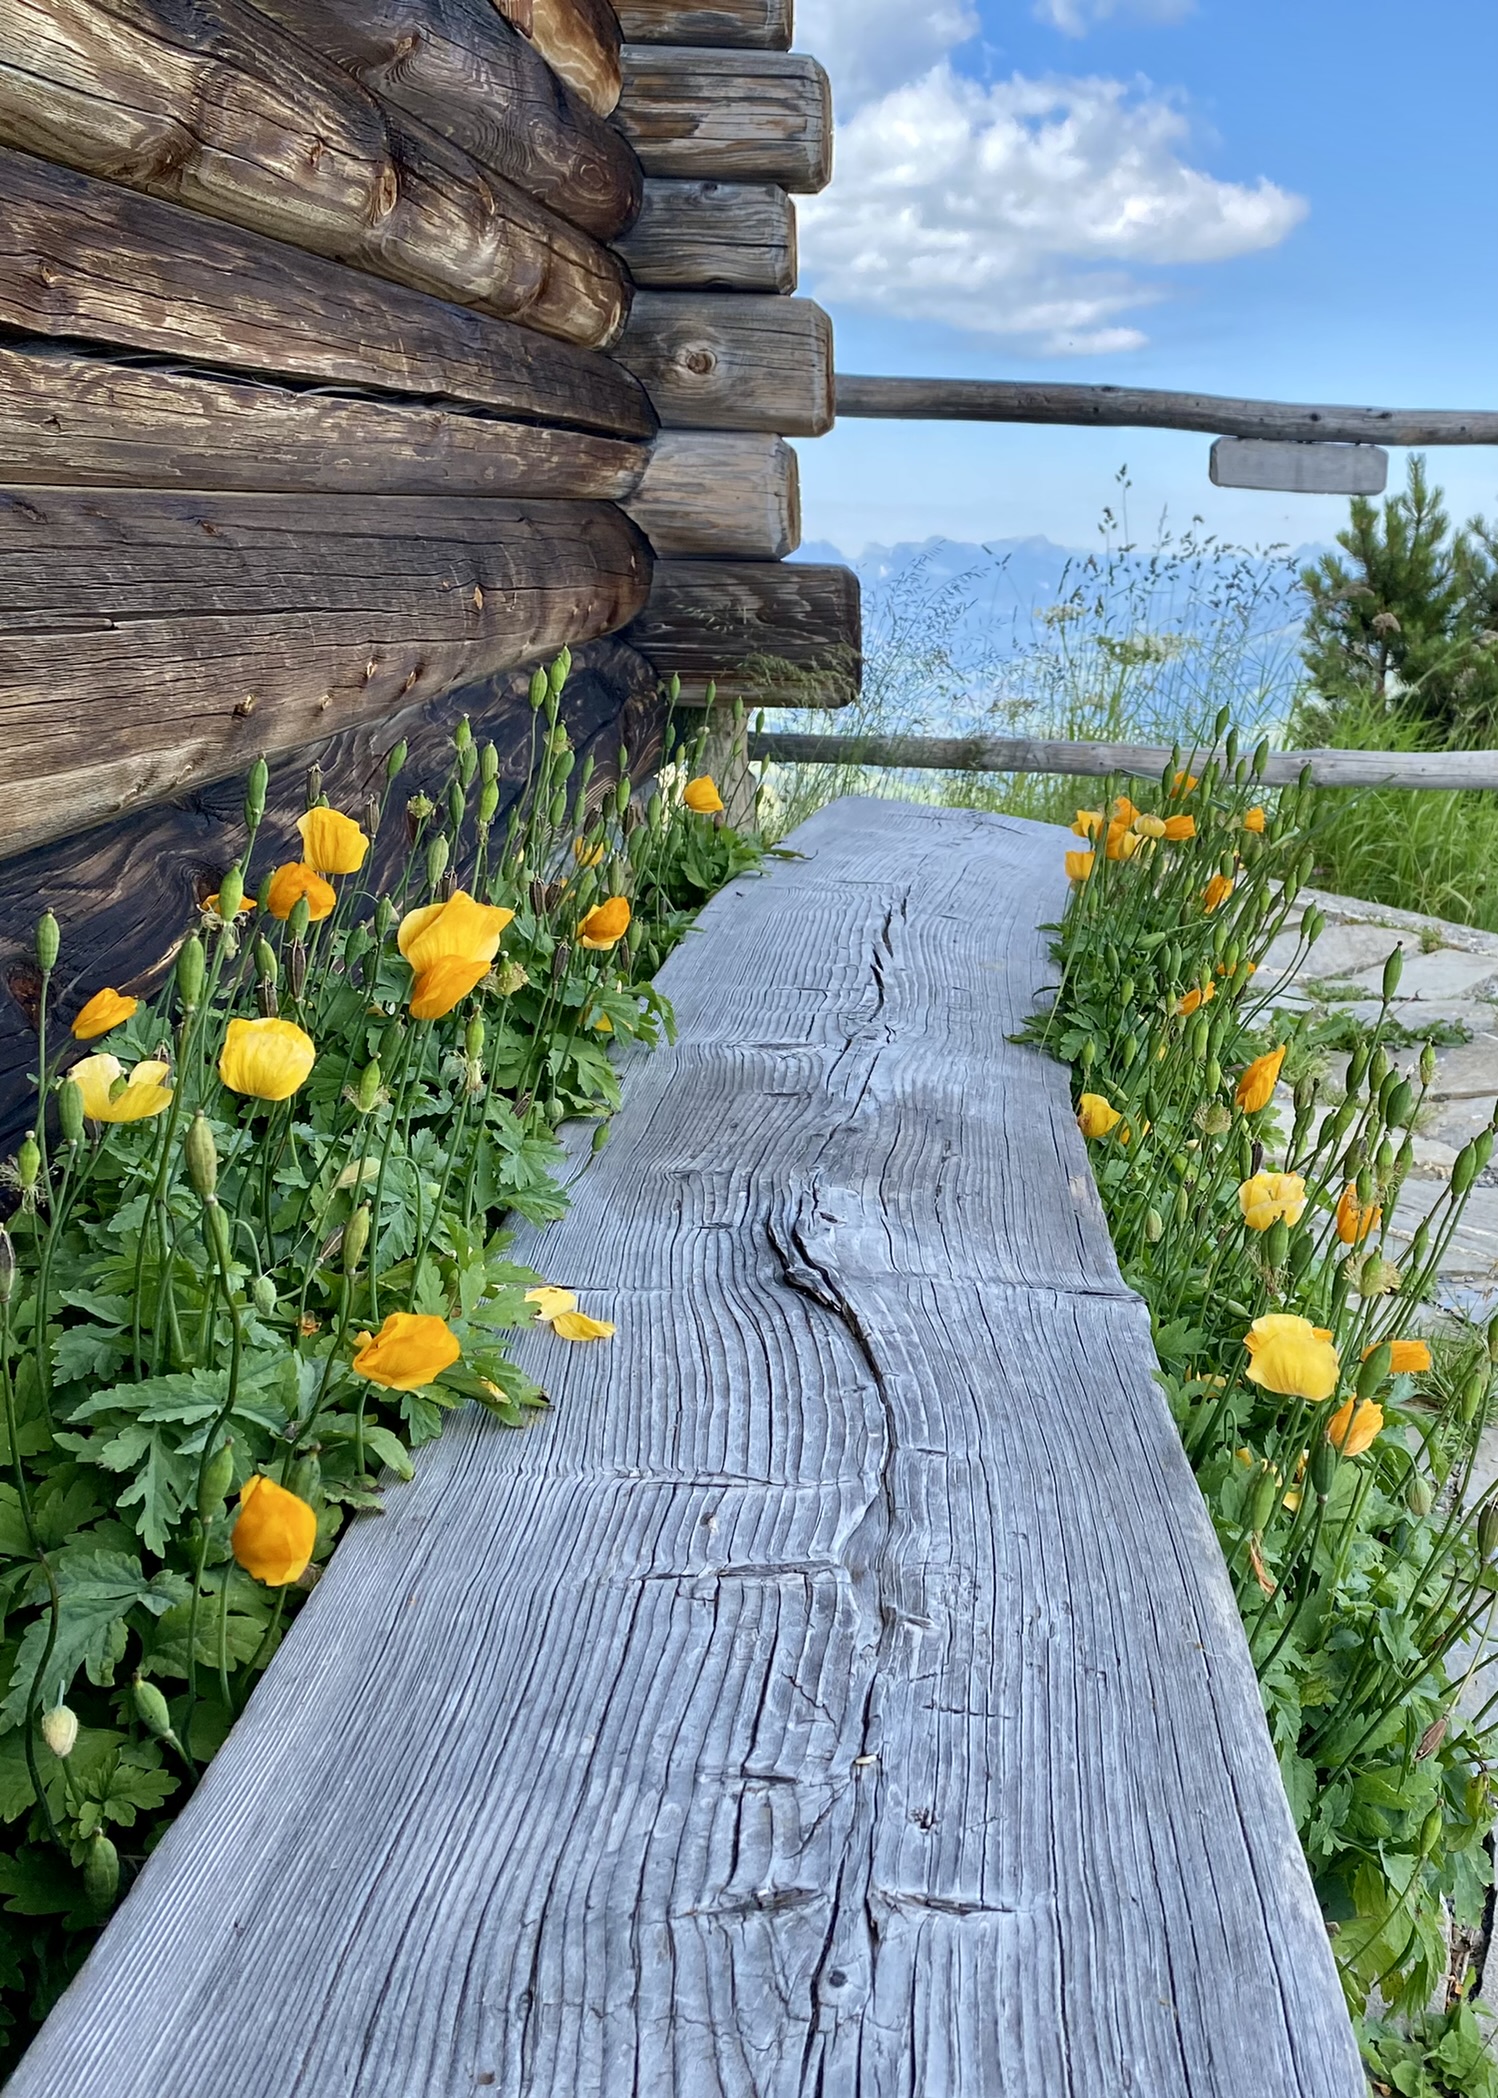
(1441, 769)
(1118, 407)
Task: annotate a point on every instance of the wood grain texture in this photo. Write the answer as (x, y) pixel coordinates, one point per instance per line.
(1145, 407)
(719, 362)
(207, 103)
(149, 640)
(730, 116)
(713, 236)
(1441, 770)
(815, 1702)
(759, 25)
(709, 494)
(125, 893)
(579, 40)
(66, 417)
(463, 70)
(91, 261)
(707, 619)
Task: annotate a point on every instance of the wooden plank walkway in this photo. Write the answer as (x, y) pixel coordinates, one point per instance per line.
(841, 1692)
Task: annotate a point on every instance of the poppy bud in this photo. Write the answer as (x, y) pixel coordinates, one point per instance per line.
(1260, 762)
(1383, 1164)
(1487, 1529)
(1154, 1227)
(463, 733)
(673, 688)
(266, 965)
(1323, 1467)
(70, 1112)
(151, 1709)
(1313, 925)
(395, 764)
(1474, 1391)
(298, 921)
(1428, 1064)
(1492, 1338)
(1419, 1496)
(1365, 1187)
(488, 801)
(1378, 1067)
(1431, 1829)
(230, 895)
(263, 1294)
(216, 1231)
(457, 802)
(473, 1036)
(101, 1873)
(1399, 1108)
(60, 1731)
(1277, 1243)
(539, 689)
(218, 1477)
(367, 1092)
(1393, 970)
(556, 815)
(1126, 991)
(355, 1238)
(488, 763)
(1212, 1075)
(190, 972)
(1464, 1170)
(437, 854)
(202, 1155)
(1305, 1094)
(29, 1161)
(296, 963)
(560, 671)
(1482, 1147)
(1374, 1370)
(621, 797)
(256, 787)
(384, 917)
(1129, 1051)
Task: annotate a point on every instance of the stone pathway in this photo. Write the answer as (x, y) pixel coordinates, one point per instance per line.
(1449, 992)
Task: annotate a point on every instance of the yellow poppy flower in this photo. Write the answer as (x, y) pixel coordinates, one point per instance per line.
(144, 1093)
(1150, 826)
(1254, 820)
(1123, 843)
(702, 796)
(331, 843)
(551, 1302)
(605, 925)
(266, 1059)
(1079, 865)
(1179, 828)
(1407, 1358)
(104, 1010)
(588, 855)
(1124, 811)
(293, 881)
(1290, 1356)
(1256, 1086)
(438, 989)
(1267, 1197)
(458, 930)
(274, 1533)
(410, 1349)
(576, 1325)
(1184, 783)
(1202, 995)
(1217, 892)
(1354, 1425)
(1096, 1117)
(1353, 1222)
(1087, 823)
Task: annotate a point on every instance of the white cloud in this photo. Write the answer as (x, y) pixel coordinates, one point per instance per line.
(1023, 209)
(870, 46)
(1076, 17)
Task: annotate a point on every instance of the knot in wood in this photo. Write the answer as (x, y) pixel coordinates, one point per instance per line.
(700, 362)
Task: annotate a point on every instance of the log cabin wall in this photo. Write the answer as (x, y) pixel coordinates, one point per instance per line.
(355, 355)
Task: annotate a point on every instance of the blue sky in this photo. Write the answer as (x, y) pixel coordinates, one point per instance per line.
(1240, 196)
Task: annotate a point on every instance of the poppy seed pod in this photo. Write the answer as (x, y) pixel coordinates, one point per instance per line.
(191, 968)
(457, 802)
(395, 764)
(1374, 1370)
(488, 763)
(1265, 1493)
(1323, 1467)
(367, 1091)
(1419, 1496)
(355, 1238)
(296, 966)
(1487, 1529)
(256, 788)
(1474, 1391)
(230, 895)
(70, 1112)
(202, 1155)
(314, 784)
(7, 1266)
(263, 1295)
(438, 850)
(1393, 970)
(48, 942)
(1154, 1227)
(101, 1873)
(539, 688)
(299, 917)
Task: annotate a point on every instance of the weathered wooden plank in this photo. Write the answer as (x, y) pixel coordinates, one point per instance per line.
(1299, 469)
(207, 103)
(1439, 769)
(761, 25)
(714, 236)
(1145, 407)
(579, 39)
(740, 116)
(840, 1691)
(710, 494)
(125, 892)
(715, 362)
(67, 417)
(85, 259)
(793, 628)
(149, 640)
(462, 69)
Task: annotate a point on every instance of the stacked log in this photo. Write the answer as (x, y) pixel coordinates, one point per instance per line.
(728, 124)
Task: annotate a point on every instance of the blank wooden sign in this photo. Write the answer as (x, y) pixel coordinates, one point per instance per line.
(1299, 469)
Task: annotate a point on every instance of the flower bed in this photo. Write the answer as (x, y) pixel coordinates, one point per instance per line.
(258, 1254)
(1332, 1432)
